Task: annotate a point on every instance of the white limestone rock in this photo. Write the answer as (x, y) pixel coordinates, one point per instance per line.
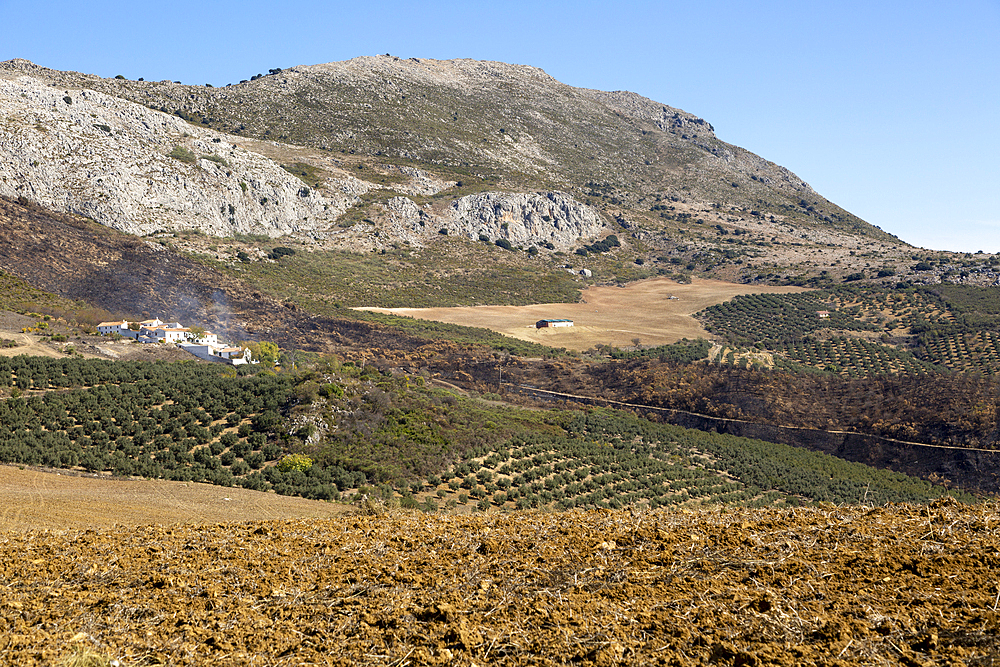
(522, 219)
(84, 152)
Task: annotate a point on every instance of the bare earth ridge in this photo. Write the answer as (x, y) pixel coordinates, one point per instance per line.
(606, 314)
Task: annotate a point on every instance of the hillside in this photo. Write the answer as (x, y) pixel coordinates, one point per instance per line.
(70, 257)
(266, 209)
(82, 261)
(379, 152)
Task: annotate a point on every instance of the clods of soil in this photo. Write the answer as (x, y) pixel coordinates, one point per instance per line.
(906, 585)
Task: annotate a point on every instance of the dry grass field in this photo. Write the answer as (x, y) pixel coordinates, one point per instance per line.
(606, 315)
(33, 499)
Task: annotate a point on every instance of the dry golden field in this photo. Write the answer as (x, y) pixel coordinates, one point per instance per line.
(606, 315)
(33, 499)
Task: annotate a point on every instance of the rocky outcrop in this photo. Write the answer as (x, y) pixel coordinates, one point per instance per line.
(525, 219)
(549, 219)
(417, 181)
(141, 171)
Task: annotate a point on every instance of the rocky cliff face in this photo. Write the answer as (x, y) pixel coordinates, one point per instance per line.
(142, 171)
(550, 220)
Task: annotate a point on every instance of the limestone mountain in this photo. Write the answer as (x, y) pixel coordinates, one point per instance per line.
(377, 151)
(141, 171)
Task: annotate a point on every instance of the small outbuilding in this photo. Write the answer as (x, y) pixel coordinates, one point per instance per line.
(543, 324)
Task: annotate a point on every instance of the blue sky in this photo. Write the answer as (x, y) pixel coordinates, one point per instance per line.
(889, 109)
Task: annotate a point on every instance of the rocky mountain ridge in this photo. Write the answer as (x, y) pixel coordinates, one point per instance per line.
(143, 171)
(140, 171)
(379, 152)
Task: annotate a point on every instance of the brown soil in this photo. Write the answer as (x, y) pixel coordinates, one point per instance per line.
(606, 315)
(11, 325)
(903, 585)
(37, 499)
(29, 345)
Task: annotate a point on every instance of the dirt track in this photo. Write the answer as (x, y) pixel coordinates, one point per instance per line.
(905, 585)
(32, 499)
(607, 315)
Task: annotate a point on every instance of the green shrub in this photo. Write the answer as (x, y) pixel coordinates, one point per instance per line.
(306, 173)
(182, 154)
(217, 160)
(298, 462)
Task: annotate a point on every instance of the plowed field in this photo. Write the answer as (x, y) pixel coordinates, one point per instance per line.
(906, 585)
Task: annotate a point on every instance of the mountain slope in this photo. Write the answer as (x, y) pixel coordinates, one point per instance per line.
(143, 172)
(480, 127)
(484, 116)
(80, 260)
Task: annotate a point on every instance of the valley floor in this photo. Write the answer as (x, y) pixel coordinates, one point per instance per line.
(901, 585)
(658, 311)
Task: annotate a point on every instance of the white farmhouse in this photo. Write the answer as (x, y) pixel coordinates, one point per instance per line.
(163, 334)
(111, 328)
(232, 355)
(206, 338)
(236, 355)
(204, 345)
